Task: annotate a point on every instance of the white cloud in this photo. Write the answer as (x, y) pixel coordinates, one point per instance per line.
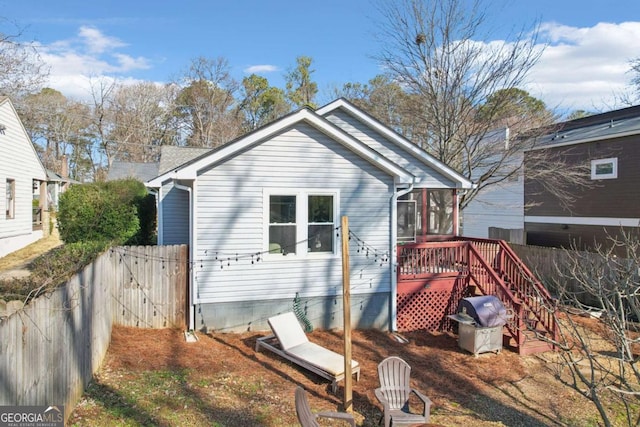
(92, 54)
(585, 68)
(96, 42)
(260, 69)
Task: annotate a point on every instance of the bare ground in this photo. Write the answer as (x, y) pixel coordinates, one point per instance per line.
(16, 264)
(154, 377)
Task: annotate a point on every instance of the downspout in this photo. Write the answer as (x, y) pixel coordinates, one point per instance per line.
(192, 313)
(458, 216)
(156, 194)
(394, 254)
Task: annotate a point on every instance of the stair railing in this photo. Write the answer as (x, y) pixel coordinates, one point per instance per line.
(536, 297)
(538, 305)
(484, 276)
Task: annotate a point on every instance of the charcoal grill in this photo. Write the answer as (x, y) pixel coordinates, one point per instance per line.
(480, 322)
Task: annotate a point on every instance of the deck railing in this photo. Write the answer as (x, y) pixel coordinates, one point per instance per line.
(428, 260)
(491, 266)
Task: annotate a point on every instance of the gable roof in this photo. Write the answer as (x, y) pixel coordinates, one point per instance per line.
(141, 171)
(190, 169)
(172, 156)
(42, 173)
(393, 136)
(53, 176)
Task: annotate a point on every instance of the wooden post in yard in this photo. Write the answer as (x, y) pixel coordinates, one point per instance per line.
(346, 306)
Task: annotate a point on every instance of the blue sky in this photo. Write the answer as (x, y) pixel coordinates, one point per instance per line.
(585, 65)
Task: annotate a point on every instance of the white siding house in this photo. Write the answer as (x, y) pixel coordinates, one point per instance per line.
(21, 173)
(499, 205)
(262, 215)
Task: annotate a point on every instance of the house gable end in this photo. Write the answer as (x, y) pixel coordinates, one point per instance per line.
(390, 135)
(192, 169)
(15, 143)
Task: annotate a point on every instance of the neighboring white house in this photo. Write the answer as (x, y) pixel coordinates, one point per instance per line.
(21, 172)
(262, 217)
(499, 205)
(58, 183)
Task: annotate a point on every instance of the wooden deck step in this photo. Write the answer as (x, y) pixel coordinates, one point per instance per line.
(532, 345)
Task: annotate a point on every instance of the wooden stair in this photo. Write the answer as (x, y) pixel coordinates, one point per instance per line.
(520, 290)
(531, 345)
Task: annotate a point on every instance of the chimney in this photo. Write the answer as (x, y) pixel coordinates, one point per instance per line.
(64, 168)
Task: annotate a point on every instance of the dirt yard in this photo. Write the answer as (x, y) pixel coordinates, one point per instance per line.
(154, 377)
(16, 264)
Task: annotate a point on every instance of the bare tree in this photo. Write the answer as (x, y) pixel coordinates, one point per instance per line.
(632, 96)
(206, 104)
(21, 70)
(440, 54)
(383, 98)
(55, 124)
(599, 331)
(104, 150)
(143, 120)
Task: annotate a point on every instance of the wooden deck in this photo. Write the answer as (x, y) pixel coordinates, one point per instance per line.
(434, 276)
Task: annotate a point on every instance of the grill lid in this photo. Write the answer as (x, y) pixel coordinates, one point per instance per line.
(486, 310)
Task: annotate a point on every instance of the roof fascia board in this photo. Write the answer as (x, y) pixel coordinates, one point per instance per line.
(190, 171)
(585, 140)
(396, 138)
(43, 176)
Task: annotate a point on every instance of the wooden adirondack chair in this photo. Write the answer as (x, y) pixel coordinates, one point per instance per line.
(394, 392)
(310, 419)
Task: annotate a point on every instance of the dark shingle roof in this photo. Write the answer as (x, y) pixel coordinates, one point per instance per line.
(172, 156)
(608, 125)
(56, 177)
(141, 171)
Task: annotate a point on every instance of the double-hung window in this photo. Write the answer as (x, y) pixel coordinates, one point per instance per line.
(301, 222)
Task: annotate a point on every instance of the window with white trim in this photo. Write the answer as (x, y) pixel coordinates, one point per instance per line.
(10, 198)
(604, 168)
(301, 222)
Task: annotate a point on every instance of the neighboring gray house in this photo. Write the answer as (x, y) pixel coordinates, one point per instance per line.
(58, 183)
(171, 156)
(262, 217)
(21, 174)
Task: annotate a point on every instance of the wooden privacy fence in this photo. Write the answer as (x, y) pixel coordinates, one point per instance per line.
(51, 348)
(149, 286)
(551, 266)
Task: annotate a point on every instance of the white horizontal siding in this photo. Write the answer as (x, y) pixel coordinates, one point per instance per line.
(499, 205)
(230, 220)
(18, 161)
(428, 176)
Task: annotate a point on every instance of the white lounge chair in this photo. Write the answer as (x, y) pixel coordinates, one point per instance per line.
(290, 342)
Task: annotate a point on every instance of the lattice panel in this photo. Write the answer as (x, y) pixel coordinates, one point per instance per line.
(428, 309)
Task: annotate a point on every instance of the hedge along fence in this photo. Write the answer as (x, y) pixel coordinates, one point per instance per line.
(51, 348)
